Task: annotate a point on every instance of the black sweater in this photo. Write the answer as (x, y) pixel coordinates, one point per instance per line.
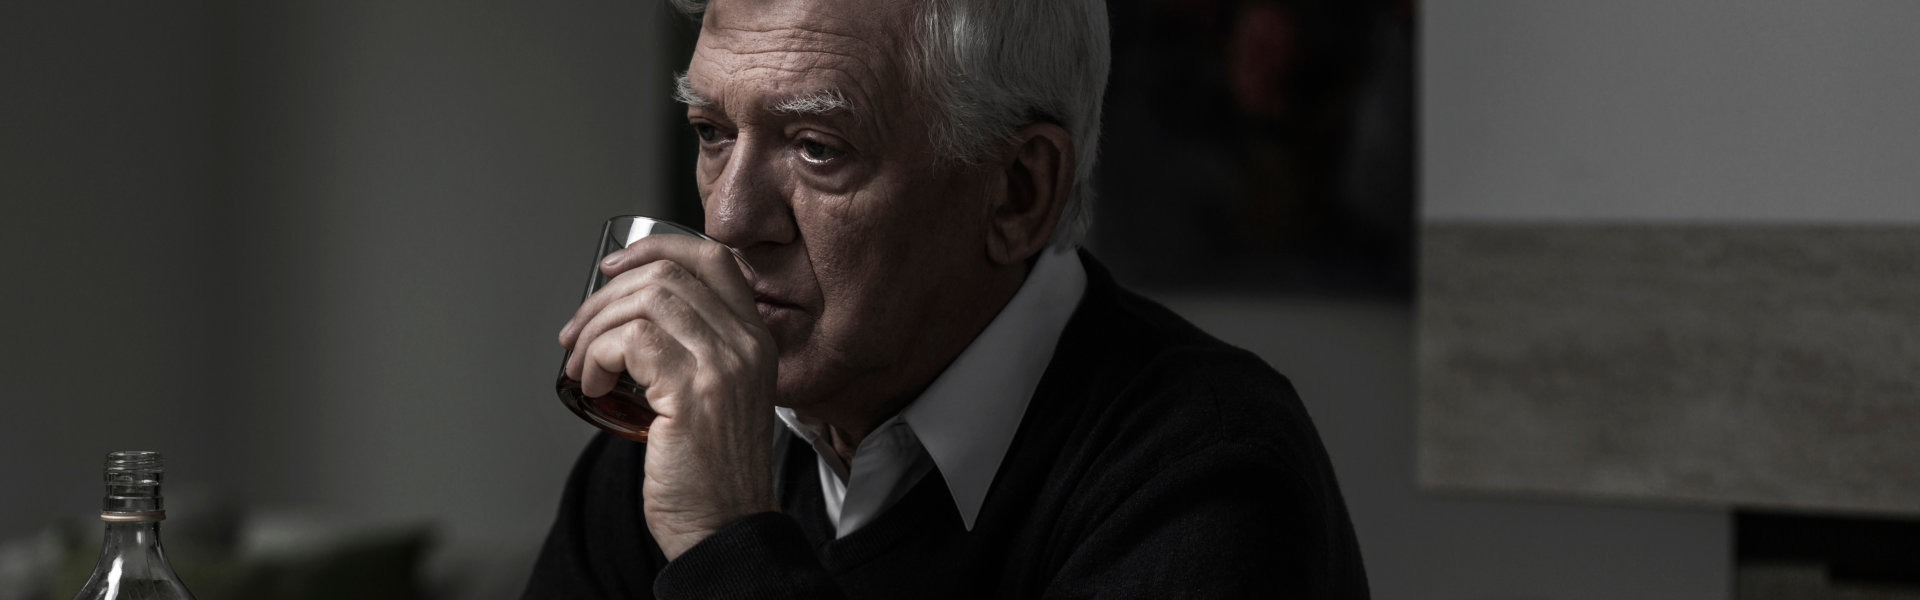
(1153, 461)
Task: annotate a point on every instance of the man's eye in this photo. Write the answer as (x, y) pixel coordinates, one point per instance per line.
(707, 133)
(818, 152)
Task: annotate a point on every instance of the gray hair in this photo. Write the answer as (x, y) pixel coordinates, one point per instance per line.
(989, 67)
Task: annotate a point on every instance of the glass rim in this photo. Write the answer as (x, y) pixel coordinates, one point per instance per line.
(753, 275)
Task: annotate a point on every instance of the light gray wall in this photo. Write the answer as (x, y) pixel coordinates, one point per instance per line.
(1657, 111)
(424, 185)
(106, 206)
(1771, 110)
(318, 252)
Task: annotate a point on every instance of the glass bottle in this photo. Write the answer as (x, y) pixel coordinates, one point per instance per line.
(131, 565)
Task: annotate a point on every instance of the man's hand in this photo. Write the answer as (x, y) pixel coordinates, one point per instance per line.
(679, 318)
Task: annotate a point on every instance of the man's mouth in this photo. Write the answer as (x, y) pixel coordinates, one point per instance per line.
(760, 297)
(770, 305)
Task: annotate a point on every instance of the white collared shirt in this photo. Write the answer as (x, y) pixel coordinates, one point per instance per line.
(965, 421)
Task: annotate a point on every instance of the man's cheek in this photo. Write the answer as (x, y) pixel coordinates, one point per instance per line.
(835, 212)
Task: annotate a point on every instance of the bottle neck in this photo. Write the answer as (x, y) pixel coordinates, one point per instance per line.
(132, 510)
(133, 536)
(131, 563)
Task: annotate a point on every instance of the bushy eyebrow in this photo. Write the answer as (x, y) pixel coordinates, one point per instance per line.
(683, 92)
(821, 102)
(816, 103)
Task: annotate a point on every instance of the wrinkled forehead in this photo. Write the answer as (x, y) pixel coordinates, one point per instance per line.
(855, 47)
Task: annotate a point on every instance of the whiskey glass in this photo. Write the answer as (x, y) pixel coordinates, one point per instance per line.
(624, 410)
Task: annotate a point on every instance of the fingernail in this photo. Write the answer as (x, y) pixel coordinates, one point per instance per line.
(609, 261)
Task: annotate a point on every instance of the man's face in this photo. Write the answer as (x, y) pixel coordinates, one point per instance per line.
(862, 242)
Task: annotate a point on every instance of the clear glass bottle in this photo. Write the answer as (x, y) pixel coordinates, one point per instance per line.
(131, 565)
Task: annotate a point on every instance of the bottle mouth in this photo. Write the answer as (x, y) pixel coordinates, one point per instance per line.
(135, 460)
(133, 487)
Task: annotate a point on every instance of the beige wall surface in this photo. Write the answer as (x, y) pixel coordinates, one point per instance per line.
(1769, 367)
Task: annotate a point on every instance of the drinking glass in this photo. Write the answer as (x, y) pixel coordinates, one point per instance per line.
(623, 411)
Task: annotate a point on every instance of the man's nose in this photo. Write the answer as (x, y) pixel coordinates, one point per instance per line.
(748, 203)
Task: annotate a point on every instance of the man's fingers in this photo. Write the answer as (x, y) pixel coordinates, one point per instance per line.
(684, 310)
(710, 262)
(665, 292)
(658, 273)
(641, 350)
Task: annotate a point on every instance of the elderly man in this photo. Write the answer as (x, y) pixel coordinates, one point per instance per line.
(959, 403)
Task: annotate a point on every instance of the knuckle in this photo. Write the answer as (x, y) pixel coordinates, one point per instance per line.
(660, 270)
(647, 336)
(674, 270)
(606, 342)
(728, 360)
(705, 384)
(588, 331)
(653, 296)
(634, 332)
(599, 352)
(640, 347)
(715, 254)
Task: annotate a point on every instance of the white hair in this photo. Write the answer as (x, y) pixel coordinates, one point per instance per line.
(817, 102)
(989, 67)
(684, 94)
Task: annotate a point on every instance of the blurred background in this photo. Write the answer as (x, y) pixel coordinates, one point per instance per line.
(317, 253)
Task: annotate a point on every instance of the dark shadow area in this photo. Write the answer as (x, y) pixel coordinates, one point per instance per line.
(1819, 556)
(1259, 145)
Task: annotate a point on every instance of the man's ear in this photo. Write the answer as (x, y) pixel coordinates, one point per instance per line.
(1039, 178)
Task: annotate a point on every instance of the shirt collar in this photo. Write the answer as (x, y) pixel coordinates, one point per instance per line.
(967, 418)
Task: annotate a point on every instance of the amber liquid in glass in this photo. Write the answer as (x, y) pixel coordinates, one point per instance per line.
(623, 411)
